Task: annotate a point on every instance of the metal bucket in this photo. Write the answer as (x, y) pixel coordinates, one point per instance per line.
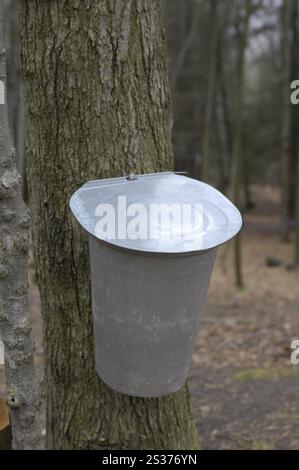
(146, 313)
(148, 296)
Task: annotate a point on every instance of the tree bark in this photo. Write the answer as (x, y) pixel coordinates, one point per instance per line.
(98, 106)
(16, 109)
(15, 328)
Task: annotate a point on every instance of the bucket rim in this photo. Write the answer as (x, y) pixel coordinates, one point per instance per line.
(222, 219)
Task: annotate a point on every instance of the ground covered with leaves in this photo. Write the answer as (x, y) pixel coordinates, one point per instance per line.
(245, 389)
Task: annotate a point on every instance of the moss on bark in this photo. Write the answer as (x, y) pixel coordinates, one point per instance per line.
(98, 106)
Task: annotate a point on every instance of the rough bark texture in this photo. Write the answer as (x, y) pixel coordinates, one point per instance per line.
(16, 109)
(15, 328)
(98, 106)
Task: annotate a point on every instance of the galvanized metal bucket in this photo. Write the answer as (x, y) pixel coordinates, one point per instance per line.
(148, 292)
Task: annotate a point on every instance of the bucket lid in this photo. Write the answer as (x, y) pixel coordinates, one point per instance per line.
(156, 213)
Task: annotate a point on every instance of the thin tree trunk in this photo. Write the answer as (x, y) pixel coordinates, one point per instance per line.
(248, 203)
(221, 144)
(16, 110)
(15, 328)
(98, 106)
(294, 118)
(187, 44)
(211, 90)
(286, 117)
(224, 163)
(297, 215)
(238, 147)
(295, 114)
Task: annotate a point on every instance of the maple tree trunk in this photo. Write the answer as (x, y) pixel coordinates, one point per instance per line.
(98, 106)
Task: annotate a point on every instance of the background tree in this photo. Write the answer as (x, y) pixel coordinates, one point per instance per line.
(211, 91)
(15, 327)
(297, 217)
(238, 146)
(98, 106)
(224, 111)
(294, 125)
(287, 11)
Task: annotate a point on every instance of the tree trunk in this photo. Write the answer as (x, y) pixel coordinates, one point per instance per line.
(98, 106)
(297, 215)
(15, 328)
(238, 147)
(211, 90)
(294, 124)
(16, 109)
(225, 157)
(286, 117)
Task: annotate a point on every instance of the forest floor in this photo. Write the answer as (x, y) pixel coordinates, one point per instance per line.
(245, 389)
